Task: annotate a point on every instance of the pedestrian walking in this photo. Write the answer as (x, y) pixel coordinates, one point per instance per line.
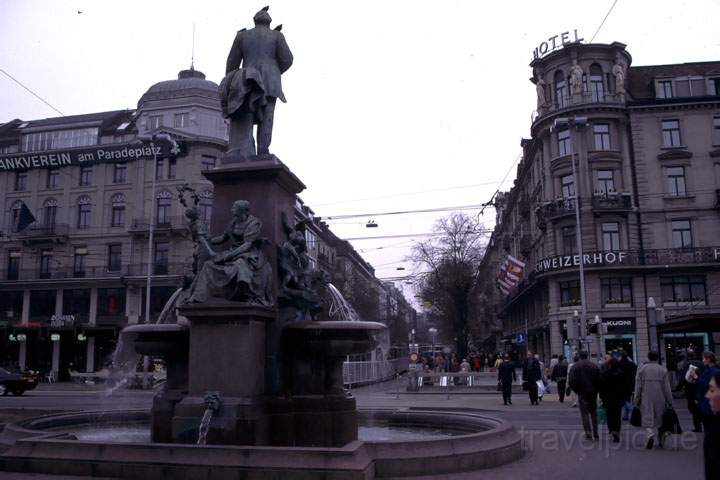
(584, 377)
(689, 387)
(531, 373)
(711, 440)
(629, 370)
(506, 377)
(613, 392)
(569, 391)
(559, 376)
(701, 379)
(652, 395)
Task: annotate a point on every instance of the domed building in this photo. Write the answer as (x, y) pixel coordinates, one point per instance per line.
(78, 273)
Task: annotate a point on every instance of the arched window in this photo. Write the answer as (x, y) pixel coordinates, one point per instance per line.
(84, 208)
(117, 214)
(597, 88)
(164, 207)
(49, 212)
(561, 92)
(205, 206)
(15, 209)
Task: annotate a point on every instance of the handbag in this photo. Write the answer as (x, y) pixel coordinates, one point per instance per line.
(636, 417)
(670, 422)
(499, 386)
(601, 415)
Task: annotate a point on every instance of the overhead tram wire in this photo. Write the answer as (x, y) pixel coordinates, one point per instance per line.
(31, 92)
(404, 212)
(490, 203)
(603, 21)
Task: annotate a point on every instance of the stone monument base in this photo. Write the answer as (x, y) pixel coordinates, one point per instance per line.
(240, 421)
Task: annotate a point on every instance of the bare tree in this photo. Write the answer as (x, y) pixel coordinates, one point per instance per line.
(448, 265)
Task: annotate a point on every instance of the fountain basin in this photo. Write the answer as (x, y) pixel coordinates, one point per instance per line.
(477, 441)
(333, 338)
(160, 340)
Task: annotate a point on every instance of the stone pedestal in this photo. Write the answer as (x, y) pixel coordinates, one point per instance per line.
(227, 356)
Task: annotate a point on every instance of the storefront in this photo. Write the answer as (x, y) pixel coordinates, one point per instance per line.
(699, 332)
(621, 335)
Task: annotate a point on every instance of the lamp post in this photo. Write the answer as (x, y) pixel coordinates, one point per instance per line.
(432, 331)
(656, 316)
(569, 123)
(600, 338)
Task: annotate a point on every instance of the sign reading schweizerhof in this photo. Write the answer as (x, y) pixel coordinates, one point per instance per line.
(82, 156)
(589, 260)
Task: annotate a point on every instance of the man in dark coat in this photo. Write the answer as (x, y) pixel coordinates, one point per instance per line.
(248, 94)
(613, 392)
(506, 377)
(584, 378)
(559, 375)
(531, 374)
(629, 370)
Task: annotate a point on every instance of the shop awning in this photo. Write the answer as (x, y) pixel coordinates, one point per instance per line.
(691, 323)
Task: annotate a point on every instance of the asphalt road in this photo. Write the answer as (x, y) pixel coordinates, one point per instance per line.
(552, 436)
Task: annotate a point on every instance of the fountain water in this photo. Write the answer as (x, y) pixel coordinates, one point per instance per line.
(340, 307)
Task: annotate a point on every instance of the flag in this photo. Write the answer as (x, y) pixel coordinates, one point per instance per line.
(511, 270)
(25, 218)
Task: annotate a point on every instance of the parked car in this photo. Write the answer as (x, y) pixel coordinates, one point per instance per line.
(16, 383)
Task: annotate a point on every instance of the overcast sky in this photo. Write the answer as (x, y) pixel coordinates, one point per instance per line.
(385, 97)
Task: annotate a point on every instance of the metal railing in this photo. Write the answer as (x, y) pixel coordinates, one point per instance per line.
(611, 201)
(61, 273)
(585, 98)
(43, 231)
(362, 373)
(142, 224)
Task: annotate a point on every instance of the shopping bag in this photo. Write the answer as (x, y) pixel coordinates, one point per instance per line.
(541, 388)
(601, 415)
(636, 417)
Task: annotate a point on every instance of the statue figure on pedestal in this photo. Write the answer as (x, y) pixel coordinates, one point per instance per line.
(576, 78)
(241, 273)
(618, 71)
(252, 85)
(540, 88)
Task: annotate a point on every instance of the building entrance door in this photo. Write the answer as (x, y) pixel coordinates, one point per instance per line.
(677, 344)
(624, 342)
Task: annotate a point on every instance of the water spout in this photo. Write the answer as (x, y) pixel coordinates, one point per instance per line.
(341, 307)
(213, 402)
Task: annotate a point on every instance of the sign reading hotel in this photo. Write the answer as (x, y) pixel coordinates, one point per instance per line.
(556, 42)
(82, 156)
(589, 260)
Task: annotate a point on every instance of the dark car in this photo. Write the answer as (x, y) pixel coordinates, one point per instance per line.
(16, 383)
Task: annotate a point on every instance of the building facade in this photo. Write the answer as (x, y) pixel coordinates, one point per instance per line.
(645, 180)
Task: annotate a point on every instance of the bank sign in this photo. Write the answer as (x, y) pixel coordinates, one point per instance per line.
(83, 156)
(589, 260)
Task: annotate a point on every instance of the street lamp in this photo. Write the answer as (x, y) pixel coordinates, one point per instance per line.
(569, 123)
(600, 331)
(432, 331)
(656, 316)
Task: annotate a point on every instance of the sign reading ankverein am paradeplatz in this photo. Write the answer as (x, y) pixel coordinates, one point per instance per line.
(593, 259)
(84, 156)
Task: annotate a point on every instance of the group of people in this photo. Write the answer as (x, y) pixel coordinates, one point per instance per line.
(622, 387)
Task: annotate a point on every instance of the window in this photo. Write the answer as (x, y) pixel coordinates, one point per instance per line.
(207, 162)
(85, 176)
(159, 168)
(120, 173)
(111, 302)
(664, 89)
(11, 306)
(182, 120)
(611, 236)
(117, 217)
(569, 241)
(601, 134)
(567, 186)
(676, 181)
(605, 181)
(690, 288)
(52, 179)
(616, 290)
(45, 261)
(79, 137)
(15, 216)
(162, 258)
(714, 87)
(42, 305)
(560, 90)
(172, 168)
(21, 179)
(84, 212)
(114, 257)
(76, 302)
(79, 261)
(671, 133)
(569, 293)
(205, 206)
(49, 213)
(716, 131)
(597, 88)
(681, 234)
(154, 121)
(564, 142)
(13, 272)
(164, 207)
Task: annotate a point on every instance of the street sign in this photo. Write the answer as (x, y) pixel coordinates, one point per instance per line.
(520, 338)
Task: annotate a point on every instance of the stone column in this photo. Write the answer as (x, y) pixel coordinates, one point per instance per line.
(92, 320)
(22, 356)
(25, 315)
(56, 358)
(90, 355)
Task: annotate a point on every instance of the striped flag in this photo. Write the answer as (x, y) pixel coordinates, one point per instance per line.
(510, 273)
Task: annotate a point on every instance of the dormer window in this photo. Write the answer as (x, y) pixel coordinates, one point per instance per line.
(664, 89)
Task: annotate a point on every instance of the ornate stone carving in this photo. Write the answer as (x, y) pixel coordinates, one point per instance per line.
(576, 78)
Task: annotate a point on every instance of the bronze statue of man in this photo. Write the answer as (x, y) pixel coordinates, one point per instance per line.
(251, 86)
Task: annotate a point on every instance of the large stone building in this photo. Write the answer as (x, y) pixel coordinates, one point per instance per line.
(73, 278)
(646, 144)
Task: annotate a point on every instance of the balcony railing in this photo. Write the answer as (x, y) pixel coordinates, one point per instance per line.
(141, 225)
(39, 233)
(611, 201)
(62, 273)
(583, 99)
(557, 208)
